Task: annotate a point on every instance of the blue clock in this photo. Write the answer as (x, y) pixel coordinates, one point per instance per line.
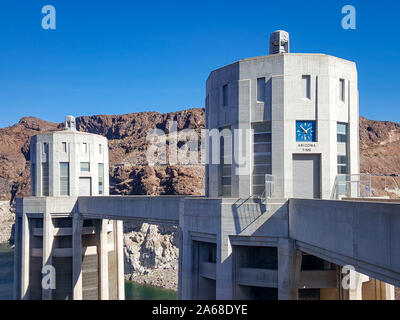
(305, 131)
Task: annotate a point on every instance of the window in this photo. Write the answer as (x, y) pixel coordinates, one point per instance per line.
(342, 132)
(85, 167)
(306, 87)
(64, 179)
(261, 89)
(342, 156)
(33, 179)
(85, 147)
(100, 149)
(64, 147)
(225, 95)
(342, 90)
(262, 148)
(225, 161)
(45, 154)
(45, 179)
(45, 148)
(342, 164)
(258, 257)
(101, 178)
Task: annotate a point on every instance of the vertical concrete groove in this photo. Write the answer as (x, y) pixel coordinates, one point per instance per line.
(289, 270)
(47, 249)
(16, 257)
(25, 258)
(103, 259)
(77, 224)
(120, 259)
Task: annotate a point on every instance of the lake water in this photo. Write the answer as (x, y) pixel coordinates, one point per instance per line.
(6, 271)
(133, 291)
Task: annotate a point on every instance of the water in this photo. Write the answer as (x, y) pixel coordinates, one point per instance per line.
(6, 271)
(133, 291)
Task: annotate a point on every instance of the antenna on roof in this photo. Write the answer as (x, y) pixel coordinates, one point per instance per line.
(70, 123)
(279, 42)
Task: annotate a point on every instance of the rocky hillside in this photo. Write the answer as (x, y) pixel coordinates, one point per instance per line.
(151, 254)
(14, 153)
(379, 147)
(127, 148)
(7, 218)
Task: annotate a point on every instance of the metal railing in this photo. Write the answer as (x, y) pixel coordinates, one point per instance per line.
(269, 186)
(364, 186)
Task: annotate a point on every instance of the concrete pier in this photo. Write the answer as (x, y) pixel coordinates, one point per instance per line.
(289, 270)
(77, 225)
(86, 254)
(227, 249)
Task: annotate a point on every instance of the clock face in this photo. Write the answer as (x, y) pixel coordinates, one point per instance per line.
(305, 131)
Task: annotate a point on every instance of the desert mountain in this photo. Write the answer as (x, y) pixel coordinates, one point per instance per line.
(379, 148)
(127, 149)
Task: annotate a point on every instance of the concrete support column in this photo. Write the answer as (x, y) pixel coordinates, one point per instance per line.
(17, 256)
(186, 260)
(120, 258)
(48, 238)
(103, 259)
(180, 262)
(77, 224)
(224, 276)
(356, 290)
(366, 288)
(186, 279)
(389, 292)
(289, 268)
(25, 258)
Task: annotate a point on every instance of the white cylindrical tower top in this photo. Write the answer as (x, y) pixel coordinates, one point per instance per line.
(279, 42)
(69, 163)
(70, 123)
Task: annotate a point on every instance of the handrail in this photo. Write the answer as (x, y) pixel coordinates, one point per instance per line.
(358, 185)
(397, 185)
(269, 189)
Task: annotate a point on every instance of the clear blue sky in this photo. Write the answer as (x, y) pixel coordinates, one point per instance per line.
(113, 57)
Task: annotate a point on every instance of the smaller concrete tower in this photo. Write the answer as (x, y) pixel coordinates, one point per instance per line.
(279, 42)
(86, 252)
(69, 163)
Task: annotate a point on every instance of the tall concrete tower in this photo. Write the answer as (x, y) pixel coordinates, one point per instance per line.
(83, 253)
(302, 109)
(69, 163)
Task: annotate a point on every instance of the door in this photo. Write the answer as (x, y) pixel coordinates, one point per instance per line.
(85, 186)
(307, 176)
